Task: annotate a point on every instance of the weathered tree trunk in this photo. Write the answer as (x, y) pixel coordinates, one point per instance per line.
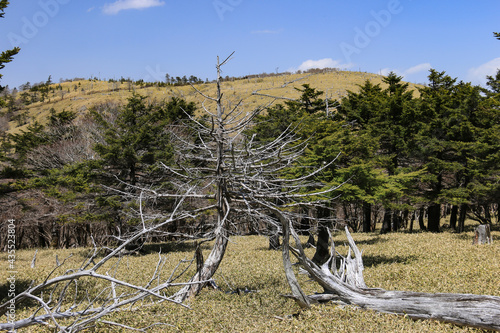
(346, 285)
(299, 296)
(203, 275)
(482, 234)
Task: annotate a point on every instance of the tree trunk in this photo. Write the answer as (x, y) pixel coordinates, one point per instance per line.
(207, 270)
(387, 224)
(461, 217)
(274, 241)
(367, 216)
(433, 217)
(396, 220)
(412, 219)
(482, 234)
(322, 253)
(421, 219)
(453, 217)
(404, 218)
(487, 213)
(274, 237)
(310, 241)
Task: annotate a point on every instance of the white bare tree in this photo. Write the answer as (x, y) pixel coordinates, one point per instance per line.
(234, 177)
(342, 280)
(65, 304)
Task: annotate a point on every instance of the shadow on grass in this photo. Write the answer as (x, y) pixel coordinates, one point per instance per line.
(20, 286)
(266, 283)
(373, 261)
(188, 246)
(151, 248)
(372, 241)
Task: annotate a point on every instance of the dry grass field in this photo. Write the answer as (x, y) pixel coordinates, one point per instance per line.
(78, 96)
(439, 263)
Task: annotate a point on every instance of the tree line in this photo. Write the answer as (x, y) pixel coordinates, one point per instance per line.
(404, 155)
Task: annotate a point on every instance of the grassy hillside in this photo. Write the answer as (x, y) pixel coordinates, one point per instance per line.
(78, 96)
(443, 262)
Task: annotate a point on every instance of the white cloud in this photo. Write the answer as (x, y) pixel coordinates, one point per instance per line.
(409, 71)
(411, 74)
(386, 71)
(321, 63)
(478, 74)
(417, 69)
(119, 5)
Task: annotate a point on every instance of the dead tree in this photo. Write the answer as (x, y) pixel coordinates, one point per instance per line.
(66, 306)
(231, 175)
(343, 283)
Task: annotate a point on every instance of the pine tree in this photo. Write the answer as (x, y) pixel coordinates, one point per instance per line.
(8, 55)
(138, 137)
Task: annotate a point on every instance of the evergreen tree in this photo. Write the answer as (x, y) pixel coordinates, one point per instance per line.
(458, 145)
(138, 137)
(8, 55)
(382, 133)
(436, 105)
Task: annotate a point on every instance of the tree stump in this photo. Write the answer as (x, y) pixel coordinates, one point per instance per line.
(310, 241)
(482, 234)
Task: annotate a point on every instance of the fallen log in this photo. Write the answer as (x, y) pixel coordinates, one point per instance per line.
(346, 285)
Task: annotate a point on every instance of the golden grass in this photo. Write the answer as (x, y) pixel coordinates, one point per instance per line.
(88, 93)
(444, 262)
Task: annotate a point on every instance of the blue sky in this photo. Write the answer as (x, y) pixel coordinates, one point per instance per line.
(145, 39)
